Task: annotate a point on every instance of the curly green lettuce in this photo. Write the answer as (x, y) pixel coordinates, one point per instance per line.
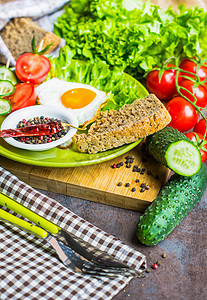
(132, 35)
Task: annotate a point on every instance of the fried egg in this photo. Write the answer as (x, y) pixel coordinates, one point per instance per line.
(84, 100)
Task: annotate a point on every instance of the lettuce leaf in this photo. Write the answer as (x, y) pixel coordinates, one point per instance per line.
(132, 35)
(120, 87)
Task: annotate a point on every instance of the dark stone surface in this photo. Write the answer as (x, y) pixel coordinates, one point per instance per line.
(181, 275)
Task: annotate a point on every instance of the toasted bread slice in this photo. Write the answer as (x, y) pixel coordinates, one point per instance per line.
(116, 128)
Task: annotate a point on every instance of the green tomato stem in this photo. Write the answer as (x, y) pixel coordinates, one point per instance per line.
(198, 108)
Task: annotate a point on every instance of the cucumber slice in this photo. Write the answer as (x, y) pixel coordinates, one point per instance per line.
(5, 106)
(7, 74)
(183, 158)
(174, 150)
(6, 88)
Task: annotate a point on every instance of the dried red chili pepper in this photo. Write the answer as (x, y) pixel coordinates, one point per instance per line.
(33, 130)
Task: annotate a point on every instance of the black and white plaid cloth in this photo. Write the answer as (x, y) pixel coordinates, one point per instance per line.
(30, 268)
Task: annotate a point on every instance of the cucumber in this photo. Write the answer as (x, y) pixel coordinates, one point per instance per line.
(6, 74)
(5, 106)
(174, 150)
(174, 202)
(6, 88)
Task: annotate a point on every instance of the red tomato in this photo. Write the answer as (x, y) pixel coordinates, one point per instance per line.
(32, 68)
(200, 127)
(192, 136)
(189, 66)
(165, 89)
(23, 96)
(200, 92)
(184, 115)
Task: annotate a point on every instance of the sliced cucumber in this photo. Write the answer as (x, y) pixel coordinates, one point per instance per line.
(6, 88)
(174, 150)
(7, 74)
(5, 106)
(183, 157)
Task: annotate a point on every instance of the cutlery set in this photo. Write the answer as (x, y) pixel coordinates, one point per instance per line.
(73, 251)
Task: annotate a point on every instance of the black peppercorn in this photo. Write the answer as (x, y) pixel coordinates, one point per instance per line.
(128, 166)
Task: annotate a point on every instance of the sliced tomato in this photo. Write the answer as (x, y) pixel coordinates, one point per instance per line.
(196, 138)
(32, 68)
(23, 96)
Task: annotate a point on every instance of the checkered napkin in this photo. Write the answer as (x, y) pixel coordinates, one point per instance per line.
(35, 9)
(30, 267)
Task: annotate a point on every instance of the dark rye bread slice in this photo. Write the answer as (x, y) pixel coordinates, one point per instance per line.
(116, 128)
(18, 34)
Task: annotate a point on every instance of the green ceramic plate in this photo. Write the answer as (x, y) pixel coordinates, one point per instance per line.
(61, 158)
(66, 158)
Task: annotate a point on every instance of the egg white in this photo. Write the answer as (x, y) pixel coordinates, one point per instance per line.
(50, 92)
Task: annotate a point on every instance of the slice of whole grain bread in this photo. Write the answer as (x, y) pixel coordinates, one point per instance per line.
(116, 128)
(18, 34)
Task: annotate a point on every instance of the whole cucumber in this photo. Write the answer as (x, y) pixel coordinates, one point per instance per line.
(174, 202)
(173, 149)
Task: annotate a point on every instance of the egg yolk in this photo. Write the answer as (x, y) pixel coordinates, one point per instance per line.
(77, 98)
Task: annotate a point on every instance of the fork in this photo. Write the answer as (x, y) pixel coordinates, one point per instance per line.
(73, 251)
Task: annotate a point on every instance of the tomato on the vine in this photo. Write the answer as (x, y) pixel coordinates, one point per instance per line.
(190, 66)
(200, 127)
(196, 138)
(199, 91)
(32, 68)
(164, 88)
(23, 96)
(184, 115)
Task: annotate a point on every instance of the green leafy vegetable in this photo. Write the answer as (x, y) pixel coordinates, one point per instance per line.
(120, 87)
(130, 34)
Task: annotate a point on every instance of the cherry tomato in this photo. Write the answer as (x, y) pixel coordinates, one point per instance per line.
(190, 66)
(193, 137)
(23, 96)
(200, 127)
(165, 88)
(32, 68)
(200, 92)
(184, 115)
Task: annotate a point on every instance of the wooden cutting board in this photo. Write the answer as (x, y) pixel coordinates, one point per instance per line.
(98, 182)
